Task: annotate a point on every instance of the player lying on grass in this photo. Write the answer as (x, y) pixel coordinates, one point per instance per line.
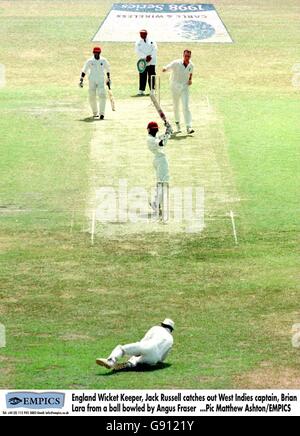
(151, 350)
(156, 145)
(99, 76)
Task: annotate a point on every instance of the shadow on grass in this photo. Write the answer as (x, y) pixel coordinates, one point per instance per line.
(139, 96)
(88, 120)
(139, 368)
(180, 138)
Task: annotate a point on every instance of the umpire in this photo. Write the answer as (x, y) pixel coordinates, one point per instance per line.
(146, 49)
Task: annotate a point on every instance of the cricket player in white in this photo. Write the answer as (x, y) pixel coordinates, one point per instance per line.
(99, 76)
(157, 144)
(181, 80)
(152, 349)
(146, 48)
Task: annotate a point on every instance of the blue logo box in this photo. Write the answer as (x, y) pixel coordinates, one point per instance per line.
(35, 401)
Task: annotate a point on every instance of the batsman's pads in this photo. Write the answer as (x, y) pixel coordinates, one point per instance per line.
(141, 66)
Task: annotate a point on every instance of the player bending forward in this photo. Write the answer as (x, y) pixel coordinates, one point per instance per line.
(99, 76)
(156, 145)
(152, 349)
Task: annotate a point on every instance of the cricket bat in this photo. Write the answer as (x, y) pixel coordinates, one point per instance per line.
(160, 112)
(111, 98)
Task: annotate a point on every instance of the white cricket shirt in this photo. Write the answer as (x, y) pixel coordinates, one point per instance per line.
(162, 339)
(96, 69)
(148, 48)
(180, 73)
(154, 147)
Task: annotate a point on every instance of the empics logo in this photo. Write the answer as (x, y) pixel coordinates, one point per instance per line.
(31, 400)
(14, 401)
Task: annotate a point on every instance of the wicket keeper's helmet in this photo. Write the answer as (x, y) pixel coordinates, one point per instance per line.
(97, 50)
(168, 323)
(153, 126)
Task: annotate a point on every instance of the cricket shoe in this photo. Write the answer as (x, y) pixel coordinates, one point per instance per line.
(153, 206)
(190, 131)
(96, 116)
(107, 363)
(124, 365)
(178, 129)
(101, 117)
(140, 93)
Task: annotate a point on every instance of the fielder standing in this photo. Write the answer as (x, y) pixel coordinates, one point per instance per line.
(157, 145)
(146, 49)
(99, 76)
(181, 80)
(152, 349)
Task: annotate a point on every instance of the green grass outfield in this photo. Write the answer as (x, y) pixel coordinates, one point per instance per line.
(63, 302)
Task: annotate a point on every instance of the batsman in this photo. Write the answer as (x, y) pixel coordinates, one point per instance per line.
(99, 76)
(157, 144)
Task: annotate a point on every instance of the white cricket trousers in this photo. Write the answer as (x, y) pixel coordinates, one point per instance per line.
(161, 166)
(183, 95)
(96, 89)
(139, 352)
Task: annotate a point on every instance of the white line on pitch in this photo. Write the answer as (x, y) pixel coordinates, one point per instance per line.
(208, 102)
(93, 227)
(72, 221)
(234, 228)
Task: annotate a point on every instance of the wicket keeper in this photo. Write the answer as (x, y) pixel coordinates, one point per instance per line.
(152, 349)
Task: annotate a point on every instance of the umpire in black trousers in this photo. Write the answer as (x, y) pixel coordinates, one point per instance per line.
(146, 49)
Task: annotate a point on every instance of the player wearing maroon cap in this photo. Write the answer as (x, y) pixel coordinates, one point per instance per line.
(157, 144)
(99, 76)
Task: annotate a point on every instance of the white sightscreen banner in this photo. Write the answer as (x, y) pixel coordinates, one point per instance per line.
(164, 22)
